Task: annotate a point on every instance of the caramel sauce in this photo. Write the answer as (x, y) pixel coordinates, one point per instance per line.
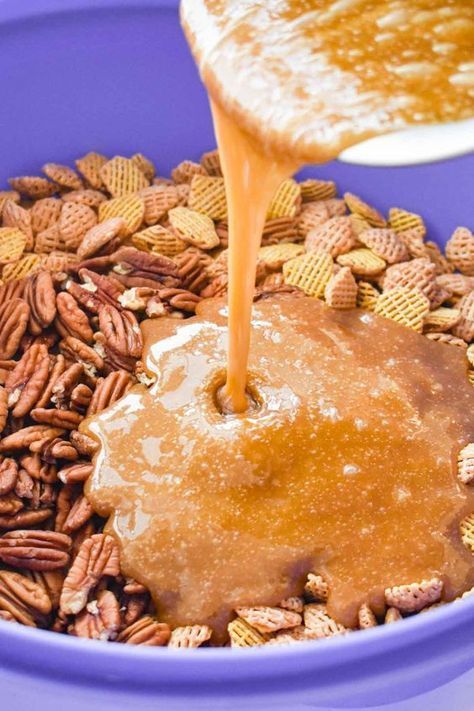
(343, 462)
(344, 466)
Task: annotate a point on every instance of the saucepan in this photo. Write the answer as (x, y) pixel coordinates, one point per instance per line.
(116, 76)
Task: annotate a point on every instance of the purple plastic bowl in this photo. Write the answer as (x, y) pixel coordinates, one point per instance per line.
(116, 76)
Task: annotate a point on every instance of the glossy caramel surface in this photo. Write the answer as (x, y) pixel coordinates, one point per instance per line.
(308, 78)
(347, 466)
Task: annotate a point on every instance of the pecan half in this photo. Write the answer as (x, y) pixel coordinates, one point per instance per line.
(10, 504)
(146, 631)
(100, 620)
(145, 265)
(57, 367)
(180, 299)
(12, 290)
(41, 298)
(59, 449)
(28, 437)
(97, 557)
(71, 319)
(14, 317)
(24, 519)
(85, 295)
(65, 419)
(26, 383)
(75, 473)
(79, 513)
(75, 350)
(80, 397)
(65, 384)
(8, 476)
(107, 290)
(24, 599)
(100, 235)
(35, 550)
(135, 606)
(109, 390)
(51, 581)
(121, 331)
(83, 444)
(3, 408)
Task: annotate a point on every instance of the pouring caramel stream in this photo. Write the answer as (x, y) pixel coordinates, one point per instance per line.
(345, 463)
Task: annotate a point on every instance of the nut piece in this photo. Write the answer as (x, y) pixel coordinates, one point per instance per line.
(98, 556)
(414, 597)
(35, 550)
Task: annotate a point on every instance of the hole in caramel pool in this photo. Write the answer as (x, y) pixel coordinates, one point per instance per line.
(224, 404)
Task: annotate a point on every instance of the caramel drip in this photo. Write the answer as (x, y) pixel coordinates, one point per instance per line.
(251, 181)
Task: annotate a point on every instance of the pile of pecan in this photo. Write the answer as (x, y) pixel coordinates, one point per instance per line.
(74, 291)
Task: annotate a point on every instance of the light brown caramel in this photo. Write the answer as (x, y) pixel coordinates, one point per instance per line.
(345, 468)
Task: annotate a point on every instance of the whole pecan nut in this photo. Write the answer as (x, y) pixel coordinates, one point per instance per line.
(98, 556)
(35, 550)
(14, 315)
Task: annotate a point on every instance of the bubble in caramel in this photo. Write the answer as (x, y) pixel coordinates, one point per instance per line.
(347, 463)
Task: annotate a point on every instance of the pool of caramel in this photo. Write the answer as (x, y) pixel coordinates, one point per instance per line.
(346, 465)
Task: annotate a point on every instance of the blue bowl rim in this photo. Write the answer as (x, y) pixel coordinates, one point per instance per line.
(103, 658)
